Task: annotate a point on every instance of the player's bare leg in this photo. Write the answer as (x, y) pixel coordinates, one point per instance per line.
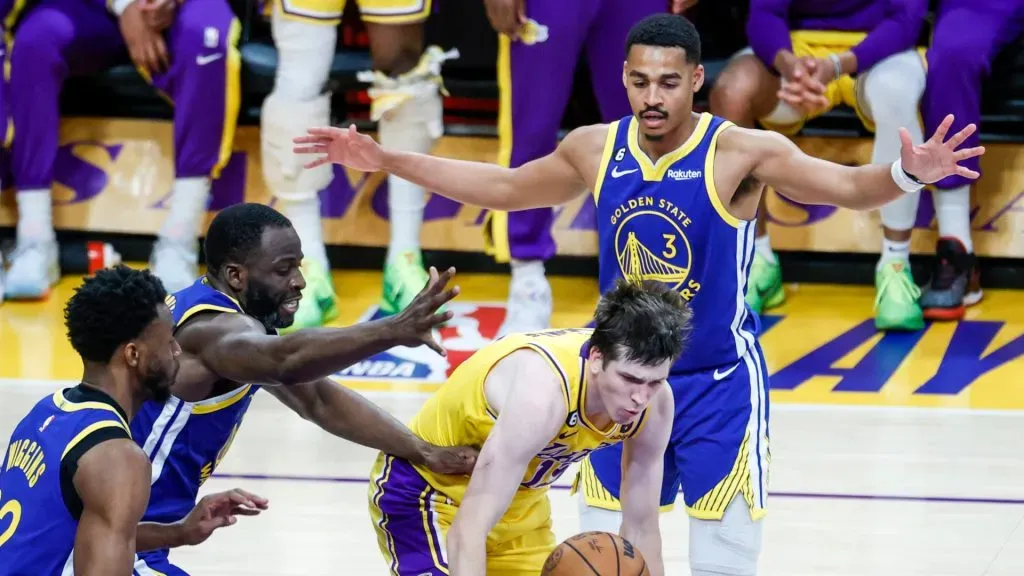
(407, 106)
(744, 92)
(305, 49)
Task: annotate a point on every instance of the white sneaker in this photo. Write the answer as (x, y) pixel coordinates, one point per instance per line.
(176, 264)
(529, 305)
(35, 269)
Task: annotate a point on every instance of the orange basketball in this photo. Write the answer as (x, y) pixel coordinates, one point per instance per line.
(595, 554)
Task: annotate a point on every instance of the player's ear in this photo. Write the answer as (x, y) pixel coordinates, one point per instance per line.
(698, 78)
(625, 76)
(236, 276)
(131, 354)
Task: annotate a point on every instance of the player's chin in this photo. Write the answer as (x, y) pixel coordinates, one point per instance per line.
(625, 415)
(286, 312)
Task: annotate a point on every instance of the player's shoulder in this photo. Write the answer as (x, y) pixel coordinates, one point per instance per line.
(749, 140)
(588, 139)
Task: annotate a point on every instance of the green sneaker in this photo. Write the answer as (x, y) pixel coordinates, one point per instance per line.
(896, 298)
(404, 277)
(318, 305)
(764, 288)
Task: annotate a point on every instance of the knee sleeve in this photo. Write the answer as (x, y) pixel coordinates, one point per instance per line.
(593, 519)
(891, 90)
(281, 120)
(305, 52)
(901, 212)
(408, 108)
(727, 547)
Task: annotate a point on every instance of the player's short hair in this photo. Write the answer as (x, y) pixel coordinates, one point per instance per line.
(645, 322)
(668, 31)
(238, 230)
(111, 308)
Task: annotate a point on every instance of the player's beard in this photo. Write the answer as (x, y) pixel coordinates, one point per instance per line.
(261, 305)
(157, 384)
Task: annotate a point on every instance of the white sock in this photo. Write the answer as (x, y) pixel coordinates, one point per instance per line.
(305, 217)
(527, 269)
(189, 200)
(405, 204)
(953, 210)
(892, 251)
(763, 246)
(35, 216)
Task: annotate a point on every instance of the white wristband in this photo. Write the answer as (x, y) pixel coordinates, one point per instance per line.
(899, 176)
(118, 6)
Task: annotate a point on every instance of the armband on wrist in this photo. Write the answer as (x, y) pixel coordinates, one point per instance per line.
(905, 181)
(118, 6)
(837, 64)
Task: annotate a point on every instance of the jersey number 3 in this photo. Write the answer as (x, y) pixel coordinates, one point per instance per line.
(11, 509)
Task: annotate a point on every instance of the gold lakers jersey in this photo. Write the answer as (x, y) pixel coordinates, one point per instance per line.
(459, 414)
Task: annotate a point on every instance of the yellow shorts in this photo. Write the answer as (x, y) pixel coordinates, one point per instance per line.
(328, 12)
(411, 519)
(843, 90)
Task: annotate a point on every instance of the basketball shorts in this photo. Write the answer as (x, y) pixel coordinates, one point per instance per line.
(328, 12)
(156, 563)
(718, 447)
(845, 90)
(411, 519)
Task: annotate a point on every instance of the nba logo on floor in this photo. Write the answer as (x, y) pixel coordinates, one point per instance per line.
(473, 326)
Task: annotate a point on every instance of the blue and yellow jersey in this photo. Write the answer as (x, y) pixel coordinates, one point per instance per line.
(39, 506)
(459, 414)
(186, 441)
(664, 221)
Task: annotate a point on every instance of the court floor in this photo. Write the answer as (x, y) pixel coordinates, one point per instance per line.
(888, 454)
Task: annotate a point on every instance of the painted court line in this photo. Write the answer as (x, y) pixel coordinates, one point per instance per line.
(794, 495)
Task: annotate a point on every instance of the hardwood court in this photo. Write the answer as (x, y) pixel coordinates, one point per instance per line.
(892, 454)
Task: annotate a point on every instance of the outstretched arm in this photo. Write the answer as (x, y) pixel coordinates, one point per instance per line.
(778, 162)
(643, 464)
(531, 411)
(548, 181)
(236, 347)
(348, 415)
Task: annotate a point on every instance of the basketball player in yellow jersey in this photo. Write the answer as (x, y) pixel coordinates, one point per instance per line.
(537, 402)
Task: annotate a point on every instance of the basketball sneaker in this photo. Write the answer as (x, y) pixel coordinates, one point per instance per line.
(955, 283)
(35, 268)
(529, 305)
(896, 306)
(175, 263)
(318, 305)
(764, 287)
(404, 277)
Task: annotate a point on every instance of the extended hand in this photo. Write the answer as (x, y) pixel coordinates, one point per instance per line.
(219, 510)
(506, 16)
(804, 88)
(455, 460)
(938, 158)
(417, 322)
(340, 146)
(146, 45)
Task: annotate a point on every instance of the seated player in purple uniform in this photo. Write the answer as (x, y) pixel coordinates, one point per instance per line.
(186, 50)
(805, 58)
(968, 36)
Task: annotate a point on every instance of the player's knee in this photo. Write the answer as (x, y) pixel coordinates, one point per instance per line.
(40, 39)
(893, 89)
(738, 87)
(727, 547)
(593, 519)
(305, 53)
(395, 48)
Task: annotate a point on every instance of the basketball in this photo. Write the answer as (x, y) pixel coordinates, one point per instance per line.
(595, 554)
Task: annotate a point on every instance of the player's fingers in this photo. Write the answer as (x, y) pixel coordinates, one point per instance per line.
(967, 173)
(445, 297)
(256, 499)
(317, 149)
(243, 511)
(317, 162)
(311, 139)
(905, 141)
(959, 138)
(968, 153)
(328, 132)
(940, 132)
(433, 345)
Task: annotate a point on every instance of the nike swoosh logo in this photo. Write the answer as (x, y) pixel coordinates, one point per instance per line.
(566, 435)
(203, 60)
(722, 375)
(617, 173)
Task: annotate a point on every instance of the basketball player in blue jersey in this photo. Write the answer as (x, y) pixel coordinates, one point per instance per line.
(226, 324)
(676, 195)
(73, 484)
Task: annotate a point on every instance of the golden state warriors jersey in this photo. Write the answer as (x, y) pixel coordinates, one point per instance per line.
(664, 221)
(39, 506)
(459, 414)
(186, 441)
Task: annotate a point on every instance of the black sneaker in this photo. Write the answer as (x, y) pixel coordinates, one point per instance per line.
(955, 283)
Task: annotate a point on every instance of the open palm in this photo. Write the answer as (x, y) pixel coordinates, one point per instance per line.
(340, 146)
(938, 158)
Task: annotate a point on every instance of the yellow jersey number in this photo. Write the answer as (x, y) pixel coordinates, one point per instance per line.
(10, 509)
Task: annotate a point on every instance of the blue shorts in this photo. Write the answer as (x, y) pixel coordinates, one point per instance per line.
(156, 563)
(718, 447)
